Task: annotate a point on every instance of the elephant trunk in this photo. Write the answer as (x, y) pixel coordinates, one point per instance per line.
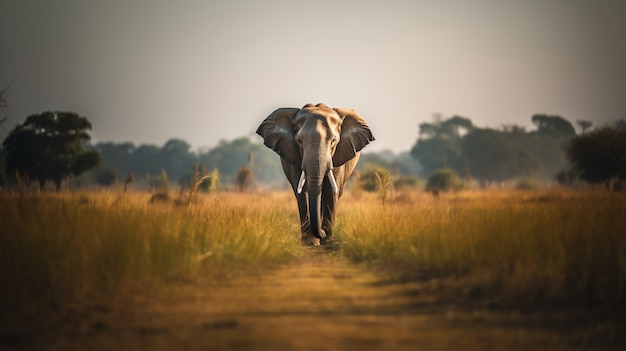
(316, 169)
(315, 202)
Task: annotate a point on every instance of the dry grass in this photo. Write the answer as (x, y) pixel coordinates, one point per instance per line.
(528, 248)
(512, 248)
(60, 248)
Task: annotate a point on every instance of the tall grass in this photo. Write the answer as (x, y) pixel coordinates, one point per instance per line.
(56, 248)
(524, 248)
(510, 247)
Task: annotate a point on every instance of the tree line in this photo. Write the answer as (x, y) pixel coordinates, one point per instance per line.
(55, 146)
(494, 155)
(175, 157)
(552, 152)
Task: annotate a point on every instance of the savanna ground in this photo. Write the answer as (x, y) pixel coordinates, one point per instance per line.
(476, 270)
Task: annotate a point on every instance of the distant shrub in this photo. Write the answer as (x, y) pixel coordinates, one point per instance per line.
(444, 179)
(526, 184)
(368, 180)
(406, 182)
(105, 176)
(157, 182)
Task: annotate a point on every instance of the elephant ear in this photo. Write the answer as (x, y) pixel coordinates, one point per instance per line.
(355, 134)
(277, 131)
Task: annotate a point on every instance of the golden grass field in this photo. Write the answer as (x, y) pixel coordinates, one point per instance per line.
(479, 269)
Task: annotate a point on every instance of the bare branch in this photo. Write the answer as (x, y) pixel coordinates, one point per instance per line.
(4, 104)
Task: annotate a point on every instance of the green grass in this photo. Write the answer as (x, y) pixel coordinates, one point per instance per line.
(513, 248)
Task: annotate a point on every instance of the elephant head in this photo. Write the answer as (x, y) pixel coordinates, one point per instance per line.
(315, 140)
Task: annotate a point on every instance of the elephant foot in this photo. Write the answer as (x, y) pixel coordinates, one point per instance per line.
(310, 240)
(322, 234)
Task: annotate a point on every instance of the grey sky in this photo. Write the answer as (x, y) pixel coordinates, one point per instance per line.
(146, 71)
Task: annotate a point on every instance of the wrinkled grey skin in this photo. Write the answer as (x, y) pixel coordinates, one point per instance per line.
(315, 141)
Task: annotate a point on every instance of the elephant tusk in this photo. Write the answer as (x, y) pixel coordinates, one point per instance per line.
(301, 182)
(333, 182)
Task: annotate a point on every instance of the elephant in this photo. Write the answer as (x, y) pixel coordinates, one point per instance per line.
(319, 148)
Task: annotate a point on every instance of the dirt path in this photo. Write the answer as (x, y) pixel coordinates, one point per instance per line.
(319, 303)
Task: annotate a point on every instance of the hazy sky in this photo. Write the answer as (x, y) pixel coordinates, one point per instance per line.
(147, 70)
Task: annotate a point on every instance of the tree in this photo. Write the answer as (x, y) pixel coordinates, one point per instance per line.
(545, 146)
(380, 159)
(492, 158)
(400, 165)
(117, 156)
(176, 157)
(50, 146)
(453, 127)
(599, 155)
(456, 126)
(620, 124)
(439, 144)
(146, 160)
(229, 156)
(584, 125)
(407, 164)
(436, 153)
(553, 126)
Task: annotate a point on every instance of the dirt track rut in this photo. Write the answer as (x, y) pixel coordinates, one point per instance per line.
(318, 303)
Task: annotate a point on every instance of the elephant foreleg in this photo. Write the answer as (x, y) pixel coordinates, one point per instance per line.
(305, 223)
(302, 210)
(329, 202)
